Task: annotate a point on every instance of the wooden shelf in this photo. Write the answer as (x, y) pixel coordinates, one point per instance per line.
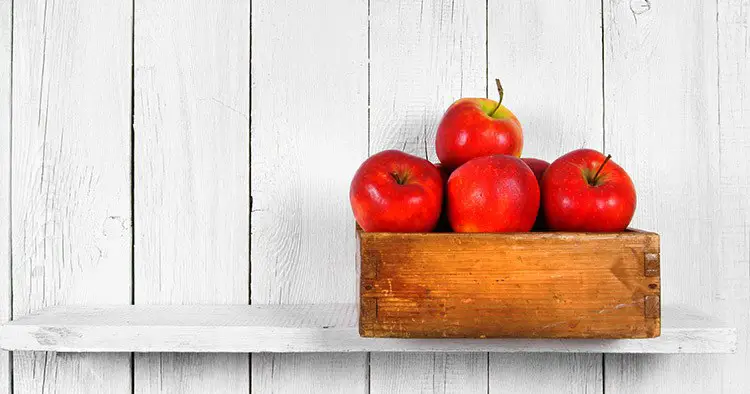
(305, 328)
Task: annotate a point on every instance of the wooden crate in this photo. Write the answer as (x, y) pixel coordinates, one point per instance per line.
(525, 285)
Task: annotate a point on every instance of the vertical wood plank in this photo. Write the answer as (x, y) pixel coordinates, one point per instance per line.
(732, 294)
(548, 56)
(6, 27)
(423, 56)
(442, 373)
(70, 178)
(309, 134)
(192, 177)
(661, 125)
(540, 373)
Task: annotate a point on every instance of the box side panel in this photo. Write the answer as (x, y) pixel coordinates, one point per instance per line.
(366, 270)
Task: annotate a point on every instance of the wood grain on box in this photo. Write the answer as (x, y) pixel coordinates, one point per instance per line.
(528, 285)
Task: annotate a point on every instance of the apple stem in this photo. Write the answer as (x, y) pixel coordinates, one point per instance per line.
(500, 94)
(400, 179)
(596, 176)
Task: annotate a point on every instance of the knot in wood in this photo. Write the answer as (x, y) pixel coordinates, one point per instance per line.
(638, 7)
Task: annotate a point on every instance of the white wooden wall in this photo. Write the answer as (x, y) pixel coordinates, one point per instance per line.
(5, 80)
(191, 176)
(195, 152)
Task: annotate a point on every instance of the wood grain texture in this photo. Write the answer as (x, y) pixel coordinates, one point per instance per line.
(442, 373)
(549, 58)
(524, 285)
(553, 374)
(339, 373)
(313, 328)
(732, 289)
(423, 56)
(70, 178)
(309, 135)
(661, 101)
(5, 214)
(192, 176)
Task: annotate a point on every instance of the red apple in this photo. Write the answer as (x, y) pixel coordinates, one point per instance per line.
(476, 127)
(538, 167)
(585, 191)
(396, 192)
(492, 194)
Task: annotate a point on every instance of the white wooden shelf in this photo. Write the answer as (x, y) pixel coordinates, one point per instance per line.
(305, 328)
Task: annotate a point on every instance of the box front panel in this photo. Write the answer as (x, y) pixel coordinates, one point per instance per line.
(545, 285)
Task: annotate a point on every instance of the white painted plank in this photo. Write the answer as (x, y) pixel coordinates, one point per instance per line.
(309, 135)
(732, 295)
(661, 126)
(5, 80)
(191, 176)
(423, 56)
(548, 56)
(322, 328)
(70, 177)
(428, 373)
(540, 373)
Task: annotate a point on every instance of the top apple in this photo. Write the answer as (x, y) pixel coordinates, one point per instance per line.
(476, 127)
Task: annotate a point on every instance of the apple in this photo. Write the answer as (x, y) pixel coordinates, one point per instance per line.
(393, 191)
(476, 127)
(496, 193)
(443, 225)
(538, 167)
(585, 191)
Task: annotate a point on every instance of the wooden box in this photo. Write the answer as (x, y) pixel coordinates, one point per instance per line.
(522, 285)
